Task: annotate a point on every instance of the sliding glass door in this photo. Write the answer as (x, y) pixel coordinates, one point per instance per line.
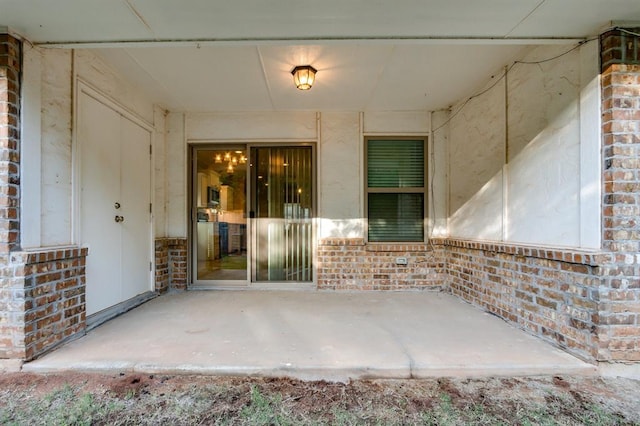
(268, 239)
(282, 208)
(220, 222)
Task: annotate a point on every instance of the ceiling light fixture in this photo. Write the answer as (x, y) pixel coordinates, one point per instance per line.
(304, 76)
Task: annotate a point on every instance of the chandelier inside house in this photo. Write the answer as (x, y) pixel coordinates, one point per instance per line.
(232, 159)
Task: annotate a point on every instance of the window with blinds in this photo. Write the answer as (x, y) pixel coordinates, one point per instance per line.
(395, 189)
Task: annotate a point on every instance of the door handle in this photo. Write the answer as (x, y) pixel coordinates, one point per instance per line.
(119, 219)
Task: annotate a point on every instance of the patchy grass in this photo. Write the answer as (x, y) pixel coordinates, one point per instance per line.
(93, 399)
(63, 406)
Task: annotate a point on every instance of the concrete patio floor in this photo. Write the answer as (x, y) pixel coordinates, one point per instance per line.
(311, 335)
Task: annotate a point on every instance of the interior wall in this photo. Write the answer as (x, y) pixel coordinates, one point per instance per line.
(48, 192)
(522, 155)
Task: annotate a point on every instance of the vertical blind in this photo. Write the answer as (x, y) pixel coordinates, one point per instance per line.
(395, 184)
(283, 208)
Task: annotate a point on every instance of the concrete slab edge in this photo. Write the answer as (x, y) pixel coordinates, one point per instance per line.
(10, 365)
(620, 369)
(311, 373)
(87, 367)
(504, 371)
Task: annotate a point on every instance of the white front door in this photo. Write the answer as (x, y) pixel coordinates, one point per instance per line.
(115, 198)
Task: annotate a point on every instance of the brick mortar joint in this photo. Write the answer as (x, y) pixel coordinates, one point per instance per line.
(44, 255)
(170, 243)
(593, 258)
(326, 244)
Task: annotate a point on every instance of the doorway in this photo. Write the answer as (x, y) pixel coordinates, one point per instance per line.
(220, 229)
(253, 215)
(115, 202)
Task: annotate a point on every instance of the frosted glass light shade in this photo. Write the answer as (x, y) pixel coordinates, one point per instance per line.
(304, 76)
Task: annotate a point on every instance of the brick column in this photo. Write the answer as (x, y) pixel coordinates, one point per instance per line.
(171, 264)
(42, 291)
(619, 329)
(10, 68)
(12, 303)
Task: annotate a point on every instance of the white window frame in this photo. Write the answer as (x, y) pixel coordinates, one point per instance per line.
(413, 190)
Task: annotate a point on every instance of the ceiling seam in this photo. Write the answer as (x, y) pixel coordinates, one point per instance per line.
(89, 44)
(525, 18)
(264, 76)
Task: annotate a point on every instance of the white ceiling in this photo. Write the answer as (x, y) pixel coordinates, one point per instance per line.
(207, 55)
(350, 77)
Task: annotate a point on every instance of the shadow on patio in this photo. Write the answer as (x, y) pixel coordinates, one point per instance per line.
(311, 335)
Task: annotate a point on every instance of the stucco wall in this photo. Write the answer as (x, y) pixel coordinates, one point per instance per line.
(340, 183)
(92, 69)
(438, 175)
(524, 156)
(176, 176)
(514, 154)
(31, 161)
(48, 98)
(47, 192)
(476, 156)
(160, 172)
(339, 137)
(251, 126)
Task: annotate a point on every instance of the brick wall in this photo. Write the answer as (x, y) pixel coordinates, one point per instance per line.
(553, 294)
(588, 303)
(350, 264)
(12, 309)
(619, 328)
(10, 70)
(42, 293)
(619, 46)
(162, 266)
(44, 303)
(171, 264)
(12, 303)
(54, 295)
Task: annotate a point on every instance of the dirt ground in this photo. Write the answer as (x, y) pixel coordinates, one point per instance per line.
(79, 398)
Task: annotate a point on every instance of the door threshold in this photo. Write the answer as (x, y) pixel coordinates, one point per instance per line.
(105, 315)
(259, 286)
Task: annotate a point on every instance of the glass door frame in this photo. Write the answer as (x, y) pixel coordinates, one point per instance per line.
(291, 285)
(193, 282)
(192, 258)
